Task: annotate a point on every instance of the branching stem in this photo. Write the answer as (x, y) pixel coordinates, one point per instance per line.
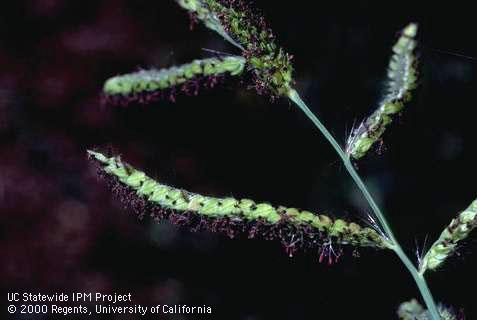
(394, 245)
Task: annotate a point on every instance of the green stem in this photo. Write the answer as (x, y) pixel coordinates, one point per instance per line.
(420, 282)
(294, 96)
(394, 245)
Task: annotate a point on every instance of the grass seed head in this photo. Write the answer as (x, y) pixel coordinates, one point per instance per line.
(402, 79)
(458, 230)
(269, 64)
(412, 310)
(295, 229)
(149, 85)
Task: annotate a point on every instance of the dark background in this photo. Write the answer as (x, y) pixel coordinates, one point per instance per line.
(61, 231)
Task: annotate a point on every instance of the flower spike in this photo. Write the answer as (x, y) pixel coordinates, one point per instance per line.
(445, 246)
(294, 228)
(412, 310)
(150, 85)
(402, 77)
(200, 11)
(270, 65)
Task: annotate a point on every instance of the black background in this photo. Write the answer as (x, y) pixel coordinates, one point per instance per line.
(61, 231)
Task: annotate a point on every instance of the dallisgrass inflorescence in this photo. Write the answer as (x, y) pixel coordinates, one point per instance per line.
(412, 310)
(269, 66)
(296, 229)
(402, 77)
(199, 10)
(150, 85)
(458, 230)
(271, 70)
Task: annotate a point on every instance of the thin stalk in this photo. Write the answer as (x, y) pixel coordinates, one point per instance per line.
(394, 245)
(420, 282)
(295, 97)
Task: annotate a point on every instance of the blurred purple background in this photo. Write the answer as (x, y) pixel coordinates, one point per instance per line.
(62, 231)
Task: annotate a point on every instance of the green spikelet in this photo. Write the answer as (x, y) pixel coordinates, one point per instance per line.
(234, 20)
(458, 230)
(201, 11)
(412, 310)
(244, 212)
(402, 77)
(147, 81)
